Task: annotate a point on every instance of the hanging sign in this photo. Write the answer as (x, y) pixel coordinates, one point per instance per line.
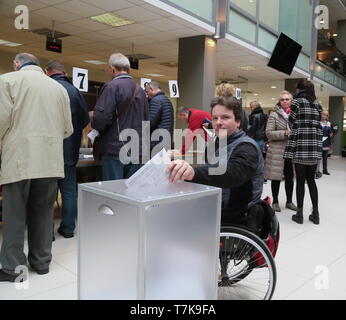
(173, 88)
(80, 79)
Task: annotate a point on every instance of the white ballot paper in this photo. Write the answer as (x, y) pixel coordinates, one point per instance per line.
(153, 173)
(92, 135)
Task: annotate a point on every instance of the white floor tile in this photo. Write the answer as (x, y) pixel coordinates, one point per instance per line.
(68, 292)
(37, 284)
(68, 260)
(311, 291)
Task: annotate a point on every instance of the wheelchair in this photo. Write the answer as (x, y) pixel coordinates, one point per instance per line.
(246, 263)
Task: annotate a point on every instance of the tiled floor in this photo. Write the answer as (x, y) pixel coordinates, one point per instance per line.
(311, 260)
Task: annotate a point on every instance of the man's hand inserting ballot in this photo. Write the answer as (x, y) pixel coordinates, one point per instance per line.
(180, 170)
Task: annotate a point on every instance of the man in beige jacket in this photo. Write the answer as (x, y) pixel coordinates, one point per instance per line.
(35, 118)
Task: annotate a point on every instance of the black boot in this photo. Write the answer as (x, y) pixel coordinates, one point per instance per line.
(315, 216)
(298, 217)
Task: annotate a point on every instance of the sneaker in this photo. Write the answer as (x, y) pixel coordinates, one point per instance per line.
(276, 207)
(291, 206)
(65, 234)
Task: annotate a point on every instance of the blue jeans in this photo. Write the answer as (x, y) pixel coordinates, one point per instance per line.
(261, 145)
(114, 169)
(68, 190)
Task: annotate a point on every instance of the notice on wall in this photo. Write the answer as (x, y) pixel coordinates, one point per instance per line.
(173, 88)
(144, 82)
(80, 79)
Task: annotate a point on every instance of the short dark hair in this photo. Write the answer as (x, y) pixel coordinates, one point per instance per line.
(182, 110)
(309, 88)
(231, 103)
(55, 65)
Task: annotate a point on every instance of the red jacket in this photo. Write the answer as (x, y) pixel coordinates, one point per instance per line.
(195, 121)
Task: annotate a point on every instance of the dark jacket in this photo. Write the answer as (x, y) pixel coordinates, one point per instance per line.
(305, 141)
(257, 124)
(80, 118)
(114, 97)
(161, 114)
(242, 183)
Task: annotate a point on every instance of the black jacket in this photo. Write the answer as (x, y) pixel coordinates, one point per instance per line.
(161, 114)
(116, 96)
(242, 167)
(257, 124)
(80, 118)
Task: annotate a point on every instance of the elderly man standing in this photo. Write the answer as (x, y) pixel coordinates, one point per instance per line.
(80, 119)
(35, 117)
(160, 111)
(122, 105)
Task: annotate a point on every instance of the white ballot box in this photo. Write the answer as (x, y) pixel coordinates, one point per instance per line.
(158, 243)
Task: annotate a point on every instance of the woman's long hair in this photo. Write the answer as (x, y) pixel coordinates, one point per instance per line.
(309, 89)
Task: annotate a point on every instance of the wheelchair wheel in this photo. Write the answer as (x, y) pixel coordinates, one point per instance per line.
(246, 267)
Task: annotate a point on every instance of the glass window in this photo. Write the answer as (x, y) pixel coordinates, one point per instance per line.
(242, 27)
(204, 8)
(250, 6)
(266, 40)
(303, 62)
(269, 13)
(288, 18)
(305, 24)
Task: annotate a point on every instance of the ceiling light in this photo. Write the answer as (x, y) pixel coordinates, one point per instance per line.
(94, 62)
(335, 34)
(248, 68)
(255, 94)
(211, 42)
(112, 19)
(9, 43)
(154, 75)
(336, 59)
(273, 87)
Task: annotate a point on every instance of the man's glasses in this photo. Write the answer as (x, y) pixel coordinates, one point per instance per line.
(282, 100)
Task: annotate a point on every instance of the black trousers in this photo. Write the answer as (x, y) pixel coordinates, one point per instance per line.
(306, 173)
(275, 184)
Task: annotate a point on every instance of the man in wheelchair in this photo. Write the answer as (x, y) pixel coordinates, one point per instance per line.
(242, 181)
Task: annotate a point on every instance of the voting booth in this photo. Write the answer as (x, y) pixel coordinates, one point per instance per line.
(158, 242)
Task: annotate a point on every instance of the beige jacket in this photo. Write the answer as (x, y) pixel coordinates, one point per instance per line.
(35, 117)
(276, 126)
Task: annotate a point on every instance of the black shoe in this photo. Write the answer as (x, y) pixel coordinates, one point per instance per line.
(65, 234)
(298, 217)
(8, 277)
(40, 271)
(315, 216)
(326, 172)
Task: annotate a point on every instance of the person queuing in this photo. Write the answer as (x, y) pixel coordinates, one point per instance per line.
(257, 124)
(276, 168)
(80, 119)
(304, 147)
(35, 117)
(122, 105)
(195, 119)
(161, 114)
(242, 183)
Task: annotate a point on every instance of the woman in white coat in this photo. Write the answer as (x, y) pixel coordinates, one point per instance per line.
(276, 168)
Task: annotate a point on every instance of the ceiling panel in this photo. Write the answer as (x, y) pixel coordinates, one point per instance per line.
(80, 8)
(110, 5)
(138, 14)
(57, 14)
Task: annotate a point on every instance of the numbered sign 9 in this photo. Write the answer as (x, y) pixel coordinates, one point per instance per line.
(80, 79)
(173, 88)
